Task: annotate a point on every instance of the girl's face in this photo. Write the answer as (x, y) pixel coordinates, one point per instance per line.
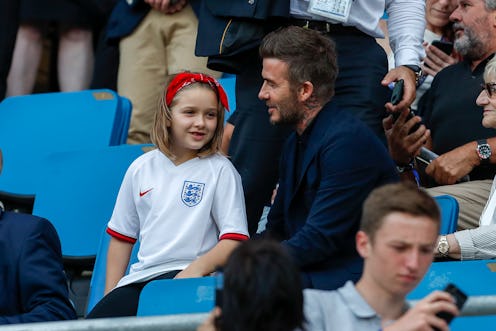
(487, 100)
(193, 123)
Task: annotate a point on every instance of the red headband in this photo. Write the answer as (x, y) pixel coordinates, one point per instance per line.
(187, 78)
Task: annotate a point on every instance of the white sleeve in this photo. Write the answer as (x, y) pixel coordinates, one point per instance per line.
(477, 244)
(228, 208)
(124, 218)
(406, 25)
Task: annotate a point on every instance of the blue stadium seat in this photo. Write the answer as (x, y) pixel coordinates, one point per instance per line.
(34, 125)
(177, 296)
(228, 82)
(77, 192)
(449, 213)
(472, 277)
(97, 283)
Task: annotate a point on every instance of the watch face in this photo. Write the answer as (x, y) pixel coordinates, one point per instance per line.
(484, 151)
(443, 247)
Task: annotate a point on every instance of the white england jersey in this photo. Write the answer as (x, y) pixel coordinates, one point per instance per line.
(178, 213)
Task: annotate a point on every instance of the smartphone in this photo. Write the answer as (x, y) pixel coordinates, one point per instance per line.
(410, 115)
(173, 2)
(460, 299)
(219, 287)
(445, 46)
(397, 94)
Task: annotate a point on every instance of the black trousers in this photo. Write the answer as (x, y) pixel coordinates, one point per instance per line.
(124, 300)
(9, 18)
(256, 144)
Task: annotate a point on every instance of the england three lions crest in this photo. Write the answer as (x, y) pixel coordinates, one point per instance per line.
(192, 193)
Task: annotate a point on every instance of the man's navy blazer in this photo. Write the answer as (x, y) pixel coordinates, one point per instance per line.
(317, 214)
(33, 286)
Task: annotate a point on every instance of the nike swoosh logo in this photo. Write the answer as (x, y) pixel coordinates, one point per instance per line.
(145, 192)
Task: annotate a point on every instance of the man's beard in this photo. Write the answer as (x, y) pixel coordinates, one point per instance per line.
(470, 46)
(290, 112)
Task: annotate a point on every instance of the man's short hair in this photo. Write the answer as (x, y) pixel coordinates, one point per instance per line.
(490, 4)
(400, 197)
(310, 56)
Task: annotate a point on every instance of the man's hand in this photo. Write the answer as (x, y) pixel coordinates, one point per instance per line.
(435, 60)
(409, 90)
(453, 165)
(403, 146)
(165, 6)
(422, 317)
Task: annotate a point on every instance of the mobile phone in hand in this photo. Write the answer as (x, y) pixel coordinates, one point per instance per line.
(410, 115)
(445, 46)
(397, 94)
(460, 299)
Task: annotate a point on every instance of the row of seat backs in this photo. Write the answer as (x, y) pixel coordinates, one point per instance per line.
(35, 125)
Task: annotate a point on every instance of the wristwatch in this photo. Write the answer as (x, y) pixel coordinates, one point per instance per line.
(443, 246)
(416, 70)
(483, 151)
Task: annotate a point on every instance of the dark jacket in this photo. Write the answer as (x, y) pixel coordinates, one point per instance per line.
(33, 286)
(229, 28)
(317, 213)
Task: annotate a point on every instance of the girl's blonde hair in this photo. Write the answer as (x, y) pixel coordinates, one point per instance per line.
(161, 136)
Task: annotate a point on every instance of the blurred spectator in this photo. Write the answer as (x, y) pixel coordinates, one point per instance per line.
(74, 22)
(9, 16)
(262, 291)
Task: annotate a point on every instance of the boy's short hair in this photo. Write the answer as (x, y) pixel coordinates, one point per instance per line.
(399, 197)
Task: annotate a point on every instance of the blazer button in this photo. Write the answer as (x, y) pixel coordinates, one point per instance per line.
(251, 2)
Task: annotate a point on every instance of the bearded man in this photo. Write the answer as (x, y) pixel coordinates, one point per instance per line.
(329, 164)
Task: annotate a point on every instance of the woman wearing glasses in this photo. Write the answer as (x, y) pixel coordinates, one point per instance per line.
(480, 243)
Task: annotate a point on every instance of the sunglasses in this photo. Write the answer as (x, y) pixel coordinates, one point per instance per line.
(490, 88)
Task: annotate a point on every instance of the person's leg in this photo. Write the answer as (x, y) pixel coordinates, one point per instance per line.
(25, 61)
(124, 300)
(9, 15)
(362, 66)
(471, 196)
(120, 302)
(75, 58)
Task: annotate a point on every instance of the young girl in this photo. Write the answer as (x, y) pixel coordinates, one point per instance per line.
(184, 201)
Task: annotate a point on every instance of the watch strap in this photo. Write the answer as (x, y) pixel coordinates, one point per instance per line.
(484, 156)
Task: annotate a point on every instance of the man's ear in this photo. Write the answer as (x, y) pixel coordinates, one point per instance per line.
(305, 91)
(363, 244)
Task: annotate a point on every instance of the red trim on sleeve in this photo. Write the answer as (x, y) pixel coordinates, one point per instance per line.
(119, 236)
(234, 236)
